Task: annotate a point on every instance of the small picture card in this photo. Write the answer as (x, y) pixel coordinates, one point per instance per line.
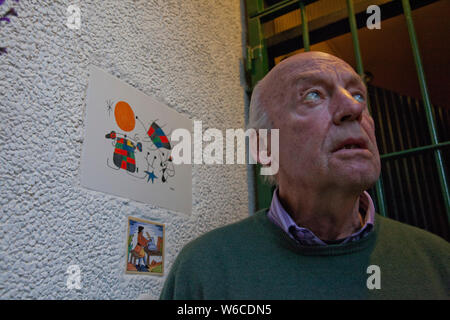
(145, 247)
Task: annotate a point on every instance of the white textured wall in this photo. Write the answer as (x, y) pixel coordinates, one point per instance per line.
(184, 53)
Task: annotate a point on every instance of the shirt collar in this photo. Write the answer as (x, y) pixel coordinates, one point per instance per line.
(278, 215)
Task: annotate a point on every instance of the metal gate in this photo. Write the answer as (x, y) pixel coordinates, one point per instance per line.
(413, 186)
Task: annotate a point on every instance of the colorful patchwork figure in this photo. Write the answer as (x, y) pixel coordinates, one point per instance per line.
(123, 156)
(158, 137)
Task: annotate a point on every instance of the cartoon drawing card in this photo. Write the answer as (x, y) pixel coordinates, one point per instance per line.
(127, 147)
(145, 244)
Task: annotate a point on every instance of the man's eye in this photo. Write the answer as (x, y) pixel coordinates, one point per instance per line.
(311, 96)
(358, 97)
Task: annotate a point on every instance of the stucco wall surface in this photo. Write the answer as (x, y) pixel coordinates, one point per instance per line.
(184, 53)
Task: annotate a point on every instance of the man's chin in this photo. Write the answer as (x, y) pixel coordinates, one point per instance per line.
(358, 180)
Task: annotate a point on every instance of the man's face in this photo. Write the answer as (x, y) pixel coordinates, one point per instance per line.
(327, 137)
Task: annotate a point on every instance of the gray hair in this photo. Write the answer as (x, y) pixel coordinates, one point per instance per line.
(259, 119)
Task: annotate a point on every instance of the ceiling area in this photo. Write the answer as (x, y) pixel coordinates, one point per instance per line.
(387, 54)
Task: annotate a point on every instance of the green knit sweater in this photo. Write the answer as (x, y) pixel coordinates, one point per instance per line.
(254, 259)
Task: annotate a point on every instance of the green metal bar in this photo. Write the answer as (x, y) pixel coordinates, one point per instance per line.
(305, 32)
(360, 70)
(427, 104)
(354, 30)
(273, 8)
(420, 71)
(257, 58)
(276, 7)
(415, 150)
(254, 7)
(258, 61)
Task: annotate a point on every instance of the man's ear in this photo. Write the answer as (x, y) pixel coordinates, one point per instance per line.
(258, 147)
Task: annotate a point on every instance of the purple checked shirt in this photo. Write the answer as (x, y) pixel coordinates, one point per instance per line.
(306, 237)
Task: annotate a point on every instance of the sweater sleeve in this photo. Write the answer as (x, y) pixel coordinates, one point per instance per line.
(183, 282)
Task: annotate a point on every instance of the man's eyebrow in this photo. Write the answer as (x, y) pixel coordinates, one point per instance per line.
(317, 76)
(355, 79)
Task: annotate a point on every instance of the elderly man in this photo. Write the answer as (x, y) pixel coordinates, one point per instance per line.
(321, 238)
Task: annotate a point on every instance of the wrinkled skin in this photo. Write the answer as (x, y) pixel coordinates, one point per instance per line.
(318, 103)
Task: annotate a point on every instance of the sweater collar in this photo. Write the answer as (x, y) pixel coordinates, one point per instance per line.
(305, 237)
(284, 240)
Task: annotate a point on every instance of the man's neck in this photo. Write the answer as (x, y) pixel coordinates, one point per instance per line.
(330, 215)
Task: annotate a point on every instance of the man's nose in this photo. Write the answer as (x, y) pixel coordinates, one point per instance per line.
(346, 107)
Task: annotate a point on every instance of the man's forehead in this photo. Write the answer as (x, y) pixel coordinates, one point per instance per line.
(314, 67)
(331, 75)
(314, 58)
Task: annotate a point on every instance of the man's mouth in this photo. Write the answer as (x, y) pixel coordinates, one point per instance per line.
(350, 144)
